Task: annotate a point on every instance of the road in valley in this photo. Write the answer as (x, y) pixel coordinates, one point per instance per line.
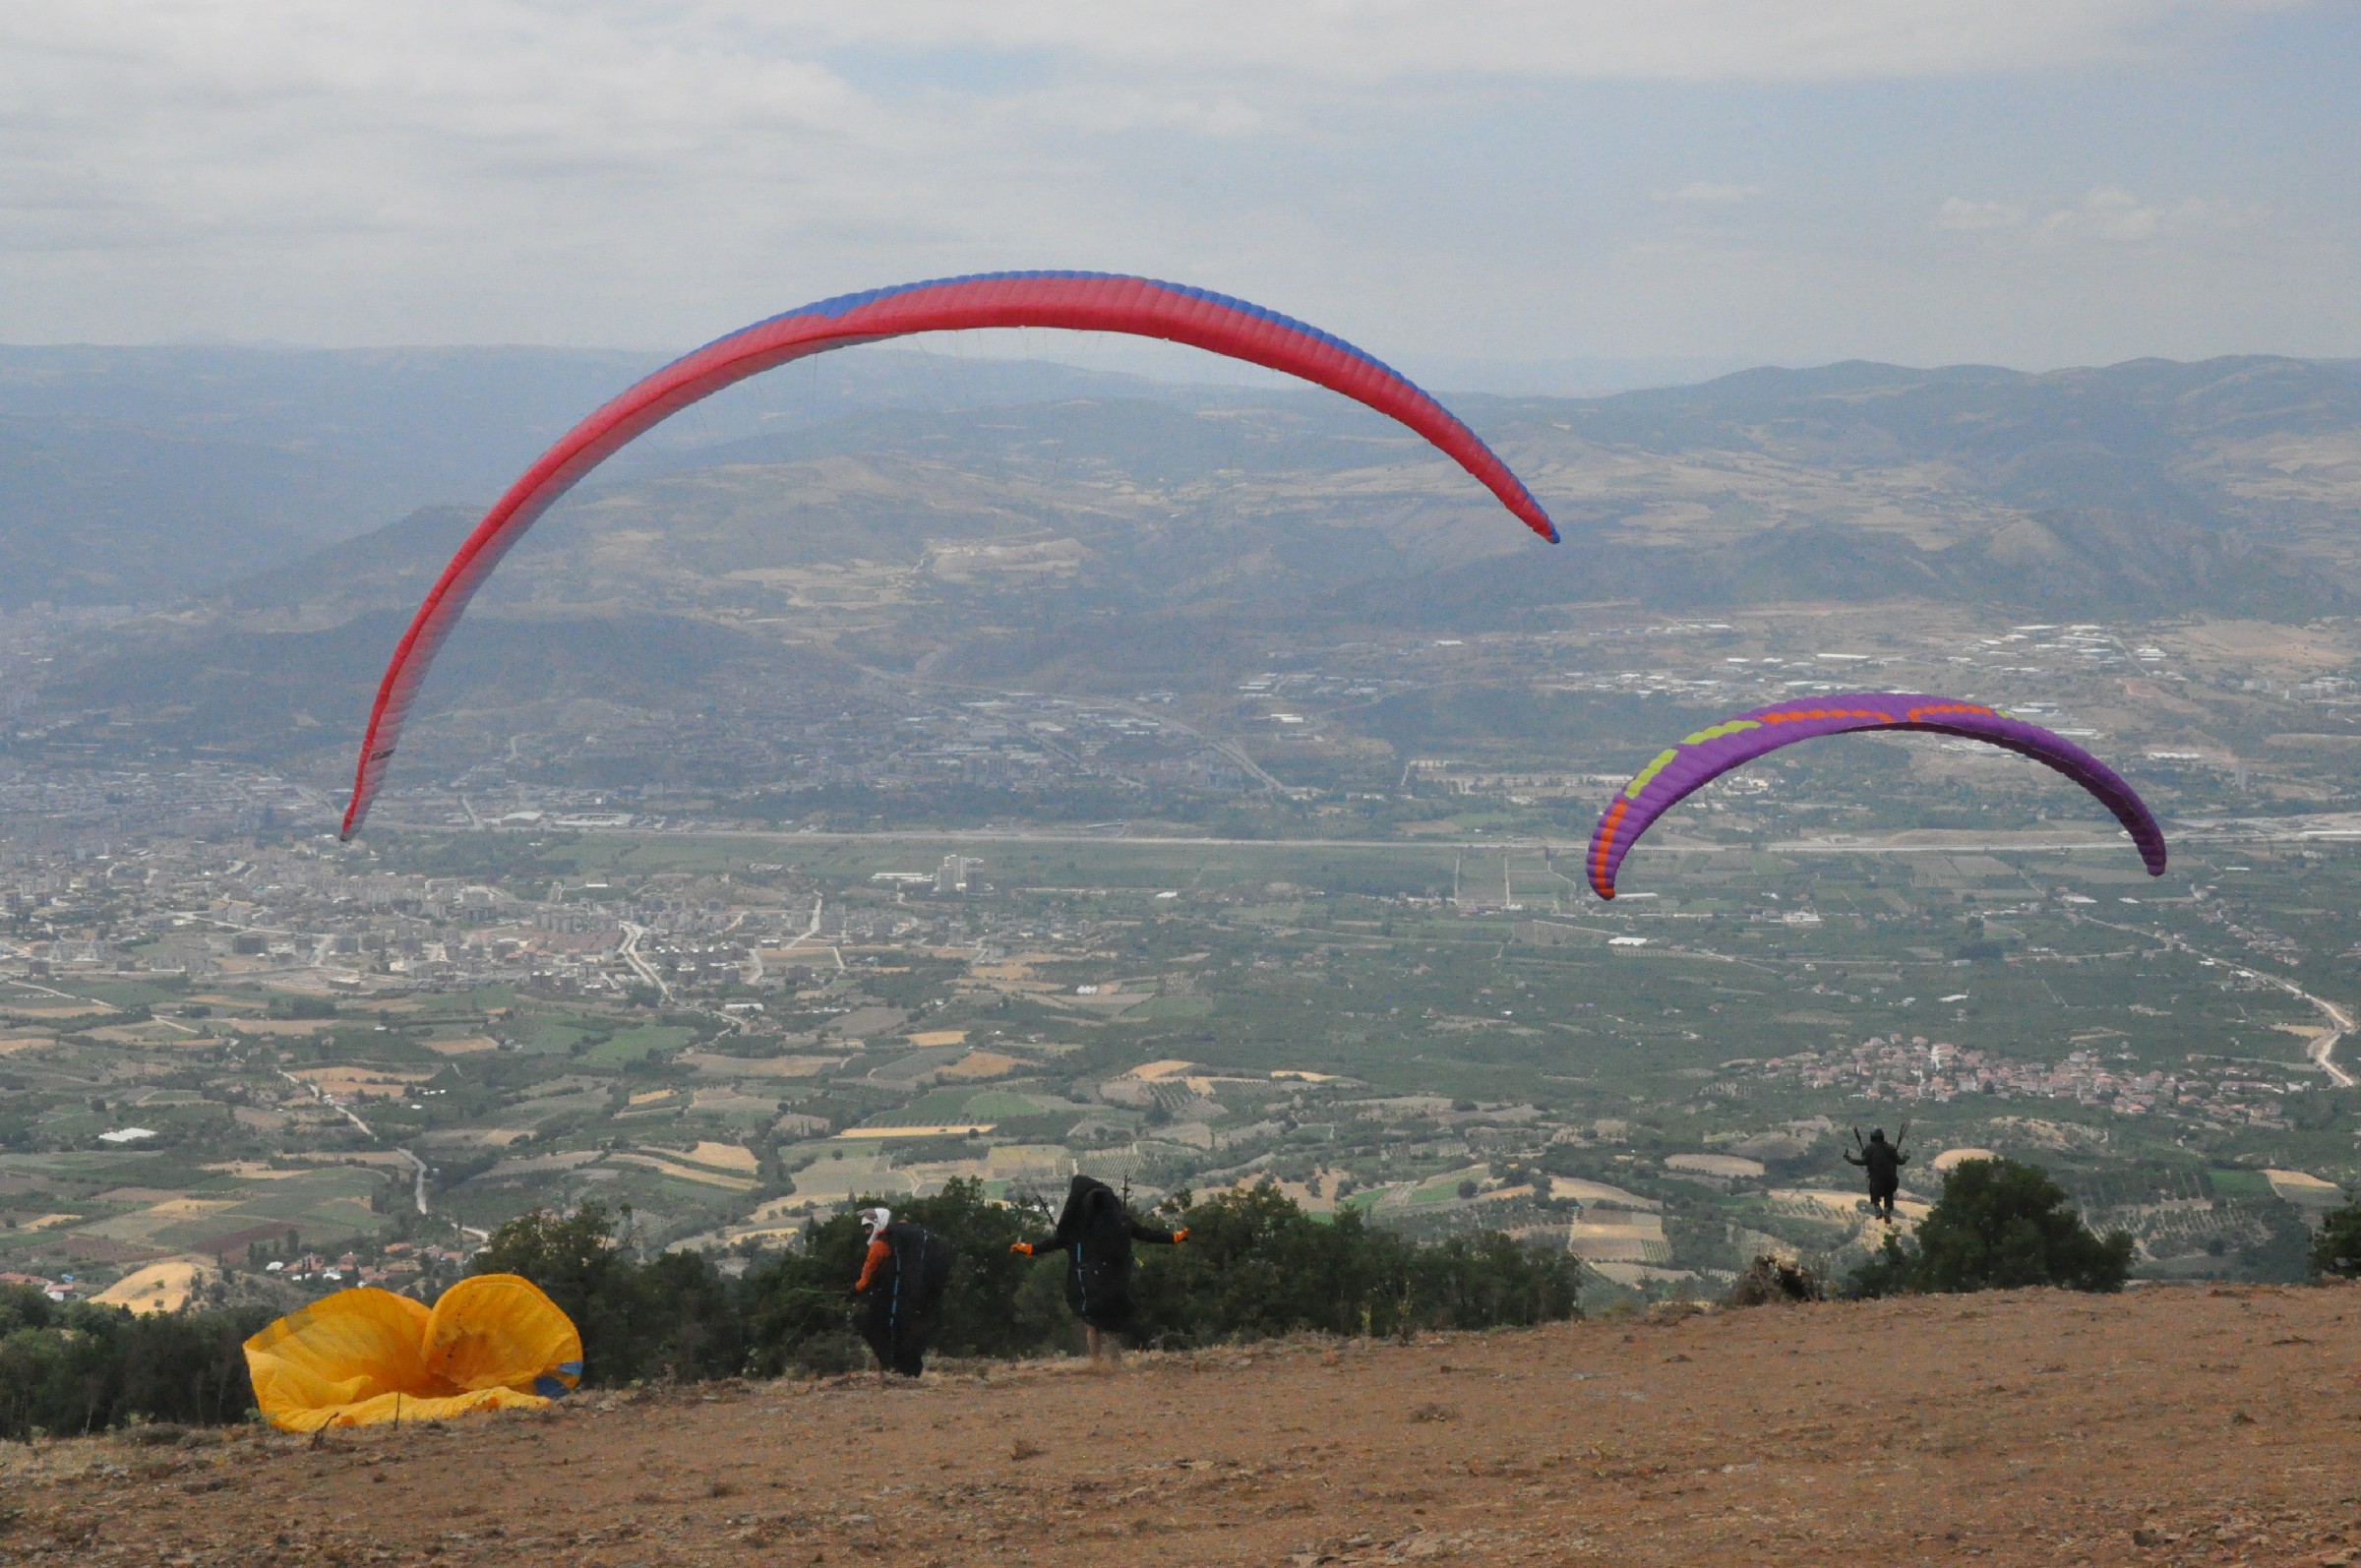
(2321, 1050)
(629, 952)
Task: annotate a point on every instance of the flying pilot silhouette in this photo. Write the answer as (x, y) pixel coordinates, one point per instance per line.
(1884, 1162)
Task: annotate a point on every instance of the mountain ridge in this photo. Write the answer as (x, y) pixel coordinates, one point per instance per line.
(1127, 537)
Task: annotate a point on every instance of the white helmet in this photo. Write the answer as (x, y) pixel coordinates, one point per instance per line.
(876, 1220)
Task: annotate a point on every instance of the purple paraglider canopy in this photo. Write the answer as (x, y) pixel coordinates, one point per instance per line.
(1706, 756)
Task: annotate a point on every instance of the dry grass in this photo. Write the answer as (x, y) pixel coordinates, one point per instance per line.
(2030, 1429)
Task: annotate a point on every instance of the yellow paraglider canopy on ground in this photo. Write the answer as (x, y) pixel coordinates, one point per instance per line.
(360, 1357)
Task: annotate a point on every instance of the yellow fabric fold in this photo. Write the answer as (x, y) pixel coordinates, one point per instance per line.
(365, 1356)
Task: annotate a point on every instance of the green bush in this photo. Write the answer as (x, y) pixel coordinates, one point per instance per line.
(673, 1317)
(794, 1306)
(2000, 1225)
(1886, 1272)
(1256, 1265)
(2336, 1250)
(1493, 1281)
(78, 1368)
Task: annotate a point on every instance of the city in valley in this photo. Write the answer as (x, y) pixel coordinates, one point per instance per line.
(244, 1061)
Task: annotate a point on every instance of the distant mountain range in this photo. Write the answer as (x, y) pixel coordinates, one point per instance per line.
(135, 475)
(1018, 520)
(2231, 486)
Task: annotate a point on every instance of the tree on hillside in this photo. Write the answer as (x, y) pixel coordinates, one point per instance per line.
(574, 1258)
(2337, 1249)
(675, 1316)
(1258, 1265)
(2000, 1225)
(79, 1368)
(1493, 1281)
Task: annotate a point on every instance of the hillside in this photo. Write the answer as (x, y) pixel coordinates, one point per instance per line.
(2169, 1425)
(132, 475)
(2138, 486)
(137, 475)
(1120, 535)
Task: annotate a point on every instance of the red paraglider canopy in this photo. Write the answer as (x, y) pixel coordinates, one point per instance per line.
(1079, 301)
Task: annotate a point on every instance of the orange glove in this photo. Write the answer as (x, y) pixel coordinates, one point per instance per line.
(1023, 1249)
(1180, 1234)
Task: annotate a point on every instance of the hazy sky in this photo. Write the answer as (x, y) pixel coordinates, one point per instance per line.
(2030, 182)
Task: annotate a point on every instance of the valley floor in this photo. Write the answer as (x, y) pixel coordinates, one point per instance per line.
(2177, 1424)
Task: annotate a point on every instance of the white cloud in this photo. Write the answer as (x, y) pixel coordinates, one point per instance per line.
(2118, 217)
(651, 171)
(1661, 40)
(1123, 109)
(2107, 216)
(486, 170)
(1710, 192)
(1963, 216)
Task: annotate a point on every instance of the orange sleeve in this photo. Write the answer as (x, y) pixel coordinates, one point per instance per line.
(879, 1254)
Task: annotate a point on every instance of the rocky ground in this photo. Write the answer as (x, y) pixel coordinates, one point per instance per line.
(2167, 1425)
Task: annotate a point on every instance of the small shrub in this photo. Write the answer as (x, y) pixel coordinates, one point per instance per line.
(2000, 1225)
(1771, 1278)
(673, 1317)
(2336, 1250)
(1885, 1272)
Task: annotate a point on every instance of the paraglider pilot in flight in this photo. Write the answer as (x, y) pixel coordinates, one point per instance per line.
(1095, 1232)
(902, 1281)
(1884, 1162)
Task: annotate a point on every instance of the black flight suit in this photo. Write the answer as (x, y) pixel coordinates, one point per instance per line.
(905, 1297)
(1884, 1163)
(1095, 1232)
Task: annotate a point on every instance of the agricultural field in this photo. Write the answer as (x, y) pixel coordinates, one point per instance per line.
(1665, 1084)
(1359, 959)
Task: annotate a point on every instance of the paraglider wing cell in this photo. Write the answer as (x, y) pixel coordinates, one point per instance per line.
(501, 1331)
(342, 1350)
(1677, 773)
(367, 1357)
(1077, 301)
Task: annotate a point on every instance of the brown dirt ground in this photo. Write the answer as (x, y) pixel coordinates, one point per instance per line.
(2169, 1425)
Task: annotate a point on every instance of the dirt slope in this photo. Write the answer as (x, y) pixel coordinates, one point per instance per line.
(2169, 1425)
